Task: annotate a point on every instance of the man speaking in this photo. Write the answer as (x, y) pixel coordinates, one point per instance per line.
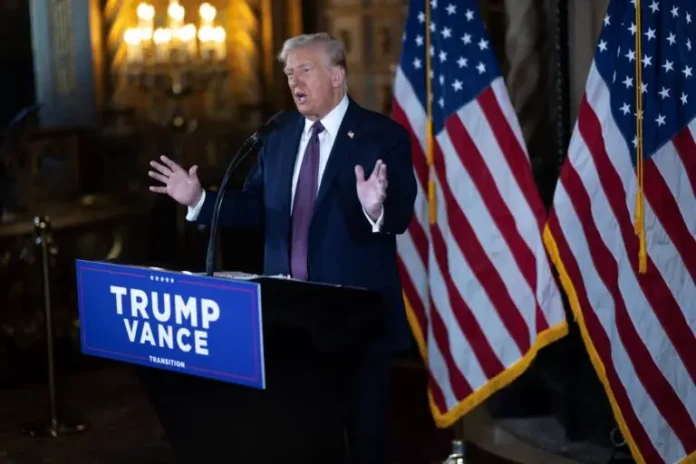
(332, 187)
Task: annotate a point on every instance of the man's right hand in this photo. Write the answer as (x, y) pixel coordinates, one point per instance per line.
(183, 186)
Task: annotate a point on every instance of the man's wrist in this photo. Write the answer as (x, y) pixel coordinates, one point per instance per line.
(375, 212)
(196, 199)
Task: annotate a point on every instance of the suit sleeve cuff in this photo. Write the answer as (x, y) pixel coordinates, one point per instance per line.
(376, 225)
(193, 212)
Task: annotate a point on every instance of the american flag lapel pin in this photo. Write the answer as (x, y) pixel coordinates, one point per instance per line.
(350, 134)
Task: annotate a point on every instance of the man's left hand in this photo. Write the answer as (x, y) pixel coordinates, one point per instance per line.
(373, 190)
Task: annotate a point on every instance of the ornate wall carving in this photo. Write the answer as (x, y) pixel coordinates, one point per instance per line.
(66, 50)
(371, 32)
(63, 50)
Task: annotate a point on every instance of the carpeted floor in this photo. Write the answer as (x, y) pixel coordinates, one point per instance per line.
(124, 430)
(122, 425)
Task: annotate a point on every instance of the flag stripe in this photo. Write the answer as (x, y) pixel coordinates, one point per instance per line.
(509, 167)
(596, 337)
(676, 177)
(653, 284)
(672, 269)
(513, 248)
(517, 159)
(606, 268)
(460, 385)
(461, 312)
(684, 143)
(447, 337)
(435, 392)
(441, 272)
(414, 301)
(679, 265)
(437, 358)
(472, 249)
(420, 165)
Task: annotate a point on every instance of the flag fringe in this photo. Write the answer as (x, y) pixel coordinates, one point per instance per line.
(445, 419)
(416, 329)
(552, 249)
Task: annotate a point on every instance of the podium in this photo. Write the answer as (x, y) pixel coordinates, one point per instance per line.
(276, 391)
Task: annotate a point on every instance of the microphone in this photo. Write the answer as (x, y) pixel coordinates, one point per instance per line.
(249, 146)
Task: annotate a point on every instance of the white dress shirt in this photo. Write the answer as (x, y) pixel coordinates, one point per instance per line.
(331, 123)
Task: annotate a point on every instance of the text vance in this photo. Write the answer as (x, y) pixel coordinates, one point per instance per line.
(169, 319)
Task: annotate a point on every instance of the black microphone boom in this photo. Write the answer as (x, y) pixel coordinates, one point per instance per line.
(249, 146)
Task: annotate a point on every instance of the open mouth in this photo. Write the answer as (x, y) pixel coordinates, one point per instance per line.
(300, 97)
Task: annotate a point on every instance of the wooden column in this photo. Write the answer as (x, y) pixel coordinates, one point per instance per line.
(68, 68)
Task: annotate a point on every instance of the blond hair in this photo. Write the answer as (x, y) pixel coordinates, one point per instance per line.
(334, 47)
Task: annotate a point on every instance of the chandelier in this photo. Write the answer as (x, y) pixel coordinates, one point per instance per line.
(175, 55)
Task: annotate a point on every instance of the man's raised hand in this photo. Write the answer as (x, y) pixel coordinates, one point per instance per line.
(372, 191)
(183, 186)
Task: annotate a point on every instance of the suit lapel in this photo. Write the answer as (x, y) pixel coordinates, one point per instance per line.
(287, 160)
(345, 144)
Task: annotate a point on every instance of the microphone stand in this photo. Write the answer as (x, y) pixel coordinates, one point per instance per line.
(249, 146)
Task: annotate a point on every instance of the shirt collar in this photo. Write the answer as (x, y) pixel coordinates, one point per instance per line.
(331, 121)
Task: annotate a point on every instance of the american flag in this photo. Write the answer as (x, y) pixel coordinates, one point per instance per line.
(481, 299)
(638, 326)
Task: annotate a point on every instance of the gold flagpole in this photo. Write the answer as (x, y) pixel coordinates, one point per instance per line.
(429, 122)
(639, 224)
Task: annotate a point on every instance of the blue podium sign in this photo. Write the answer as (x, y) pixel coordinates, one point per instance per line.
(198, 325)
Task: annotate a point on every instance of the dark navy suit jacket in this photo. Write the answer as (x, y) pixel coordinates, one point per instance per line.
(343, 249)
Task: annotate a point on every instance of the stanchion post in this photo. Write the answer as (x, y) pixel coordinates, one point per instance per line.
(55, 427)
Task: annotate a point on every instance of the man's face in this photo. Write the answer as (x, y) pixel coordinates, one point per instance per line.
(312, 80)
